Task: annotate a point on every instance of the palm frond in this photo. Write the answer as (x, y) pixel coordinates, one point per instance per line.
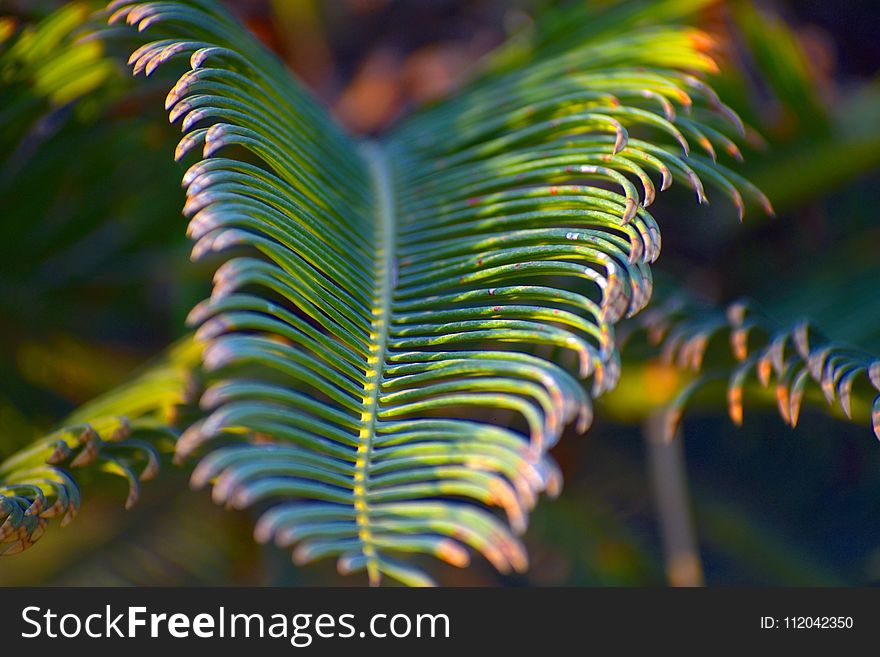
(379, 301)
(790, 358)
(121, 433)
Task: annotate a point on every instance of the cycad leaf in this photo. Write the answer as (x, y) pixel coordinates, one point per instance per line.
(381, 302)
(121, 433)
(788, 357)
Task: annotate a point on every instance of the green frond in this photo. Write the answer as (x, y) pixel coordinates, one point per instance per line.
(121, 433)
(791, 359)
(380, 301)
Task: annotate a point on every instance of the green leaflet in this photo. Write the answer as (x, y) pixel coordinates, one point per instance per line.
(375, 324)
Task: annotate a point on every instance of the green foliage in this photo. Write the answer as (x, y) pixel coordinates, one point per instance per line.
(827, 134)
(760, 351)
(41, 64)
(120, 433)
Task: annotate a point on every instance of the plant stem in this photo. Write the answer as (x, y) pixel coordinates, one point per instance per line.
(381, 317)
(667, 467)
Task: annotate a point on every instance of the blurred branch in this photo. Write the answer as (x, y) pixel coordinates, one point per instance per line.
(667, 470)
